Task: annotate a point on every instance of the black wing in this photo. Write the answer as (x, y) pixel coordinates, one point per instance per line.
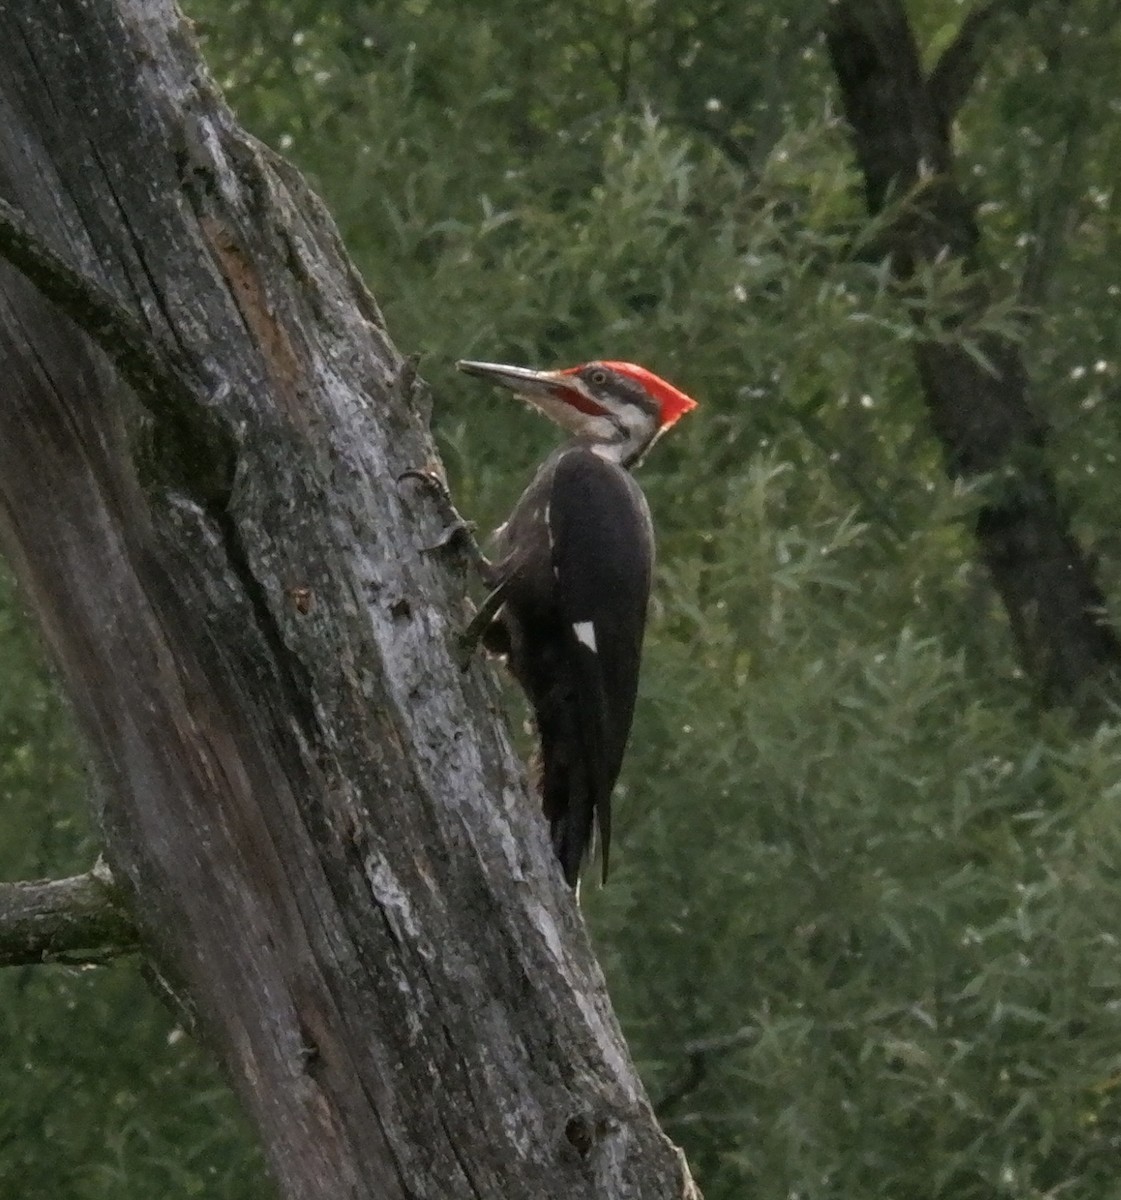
(602, 551)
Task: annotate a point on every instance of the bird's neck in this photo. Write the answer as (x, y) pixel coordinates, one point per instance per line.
(622, 452)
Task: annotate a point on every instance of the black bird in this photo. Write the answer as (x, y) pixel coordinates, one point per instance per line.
(570, 583)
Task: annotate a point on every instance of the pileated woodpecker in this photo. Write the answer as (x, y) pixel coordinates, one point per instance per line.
(570, 583)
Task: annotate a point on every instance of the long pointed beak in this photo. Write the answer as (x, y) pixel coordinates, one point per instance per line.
(555, 394)
(523, 380)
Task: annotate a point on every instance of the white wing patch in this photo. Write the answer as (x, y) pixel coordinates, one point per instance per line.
(585, 634)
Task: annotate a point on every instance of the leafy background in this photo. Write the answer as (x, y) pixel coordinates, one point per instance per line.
(862, 925)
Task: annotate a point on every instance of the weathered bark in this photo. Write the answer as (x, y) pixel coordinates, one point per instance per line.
(976, 394)
(319, 824)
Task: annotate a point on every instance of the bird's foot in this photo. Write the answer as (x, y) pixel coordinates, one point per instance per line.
(459, 528)
(456, 527)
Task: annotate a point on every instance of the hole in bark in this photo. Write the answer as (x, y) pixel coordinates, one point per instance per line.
(579, 1132)
(401, 609)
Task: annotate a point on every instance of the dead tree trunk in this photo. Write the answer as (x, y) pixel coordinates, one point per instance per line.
(976, 395)
(319, 825)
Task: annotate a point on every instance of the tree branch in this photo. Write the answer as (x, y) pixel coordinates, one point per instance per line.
(974, 381)
(699, 1054)
(956, 70)
(76, 920)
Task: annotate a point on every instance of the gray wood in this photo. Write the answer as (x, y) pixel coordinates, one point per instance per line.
(79, 919)
(317, 819)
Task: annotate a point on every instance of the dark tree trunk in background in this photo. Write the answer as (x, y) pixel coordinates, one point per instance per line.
(318, 823)
(977, 397)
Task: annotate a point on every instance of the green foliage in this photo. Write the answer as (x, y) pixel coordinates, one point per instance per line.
(851, 853)
(836, 839)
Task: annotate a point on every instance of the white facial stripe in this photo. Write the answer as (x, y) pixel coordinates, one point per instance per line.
(633, 416)
(585, 634)
(638, 429)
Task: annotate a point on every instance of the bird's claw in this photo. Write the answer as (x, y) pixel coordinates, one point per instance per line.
(456, 527)
(466, 640)
(431, 480)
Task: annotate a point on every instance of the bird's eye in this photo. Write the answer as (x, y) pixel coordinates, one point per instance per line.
(598, 377)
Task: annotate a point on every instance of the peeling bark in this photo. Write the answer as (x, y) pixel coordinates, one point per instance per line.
(319, 824)
(975, 386)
